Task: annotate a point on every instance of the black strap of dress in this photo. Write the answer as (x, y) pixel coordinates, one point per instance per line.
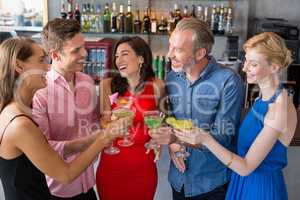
(20, 115)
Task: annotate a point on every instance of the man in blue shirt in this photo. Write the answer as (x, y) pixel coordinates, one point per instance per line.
(211, 96)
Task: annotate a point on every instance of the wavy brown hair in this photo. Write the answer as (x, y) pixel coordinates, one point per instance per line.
(11, 50)
(141, 48)
(58, 31)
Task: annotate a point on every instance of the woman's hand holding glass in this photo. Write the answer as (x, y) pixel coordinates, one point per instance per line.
(154, 120)
(120, 113)
(114, 129)
(180, 124)
(194, 136)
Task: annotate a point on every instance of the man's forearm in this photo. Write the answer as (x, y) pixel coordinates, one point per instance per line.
(78, 145)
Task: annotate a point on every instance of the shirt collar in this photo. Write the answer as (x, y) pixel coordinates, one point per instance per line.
(211, 66)
(55, 77)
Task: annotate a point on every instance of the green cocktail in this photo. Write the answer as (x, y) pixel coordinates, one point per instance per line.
(153, 122)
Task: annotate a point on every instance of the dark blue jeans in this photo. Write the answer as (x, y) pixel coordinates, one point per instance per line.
(90, 195)
(217, 194)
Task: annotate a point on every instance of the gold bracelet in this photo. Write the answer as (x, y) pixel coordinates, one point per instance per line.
(231, 159)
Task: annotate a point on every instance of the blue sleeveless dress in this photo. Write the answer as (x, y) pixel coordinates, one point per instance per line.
(266, 182)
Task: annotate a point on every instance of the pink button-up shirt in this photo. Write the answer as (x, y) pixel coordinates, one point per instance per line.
(64, 114)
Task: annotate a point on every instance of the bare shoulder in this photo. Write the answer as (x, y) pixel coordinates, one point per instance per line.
(105, 86)
(22, 127)
(282, 115)
(21, 133)
(159, 86)
(285, 104)
(158, 83)
(106, 81)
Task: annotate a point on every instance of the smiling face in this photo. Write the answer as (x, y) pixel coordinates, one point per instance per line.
(256, 67)
(181, 50)
(127, 61)
(72, 56)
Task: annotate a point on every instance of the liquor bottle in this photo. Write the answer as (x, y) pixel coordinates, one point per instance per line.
(161, 68)
(88, 8)
(106, 19)
(92, 10)
(83, 14)
(162, 27)
(221, 29)
(171, 23)
(217, 19)
(63, 13)
(155, 65)
(153, 23)
(177, 14)
(77, 14)
(200, 14)
(121, 19)
(213, 19)
(225, 15)
(228, 28)
(129, 19)
(137, 25)
(85, 22)
(99, 24)
(114, 27)
(93, 19)
(83, 9)
(168, 66)
(185, 12)
(194, 12)
(70, 11)
(206, 14)
(146, 22)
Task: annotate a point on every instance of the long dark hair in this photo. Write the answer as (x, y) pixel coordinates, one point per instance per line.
(10, 50)
(141, 48)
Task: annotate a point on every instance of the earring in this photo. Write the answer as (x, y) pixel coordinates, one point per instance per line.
(140, 65)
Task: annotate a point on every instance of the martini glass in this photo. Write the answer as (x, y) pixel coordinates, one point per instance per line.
(181, 125)
(153, 120)
(112, 150)
(122, 112)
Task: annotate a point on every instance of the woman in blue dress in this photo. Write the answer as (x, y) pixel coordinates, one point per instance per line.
(266, 131)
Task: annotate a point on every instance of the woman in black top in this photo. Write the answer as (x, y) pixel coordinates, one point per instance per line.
(24, 152)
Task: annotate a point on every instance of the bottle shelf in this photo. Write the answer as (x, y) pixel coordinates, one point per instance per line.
(114, 35)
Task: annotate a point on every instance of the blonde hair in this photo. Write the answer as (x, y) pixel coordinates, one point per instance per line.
(11, 50)
(272, 46)
(203, 37)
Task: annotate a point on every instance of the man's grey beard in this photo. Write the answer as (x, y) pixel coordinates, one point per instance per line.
(177, 69)
(187, 67)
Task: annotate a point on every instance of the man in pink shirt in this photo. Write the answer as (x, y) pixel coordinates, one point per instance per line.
(66, 110)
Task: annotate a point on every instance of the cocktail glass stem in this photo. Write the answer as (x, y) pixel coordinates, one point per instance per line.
(112, 150)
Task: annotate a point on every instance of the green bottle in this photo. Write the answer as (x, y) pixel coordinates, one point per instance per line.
(161, 68)
(106, 19)
(155, 65)
(129, 19)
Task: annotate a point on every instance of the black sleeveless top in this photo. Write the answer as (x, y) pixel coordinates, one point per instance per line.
(21, 180)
